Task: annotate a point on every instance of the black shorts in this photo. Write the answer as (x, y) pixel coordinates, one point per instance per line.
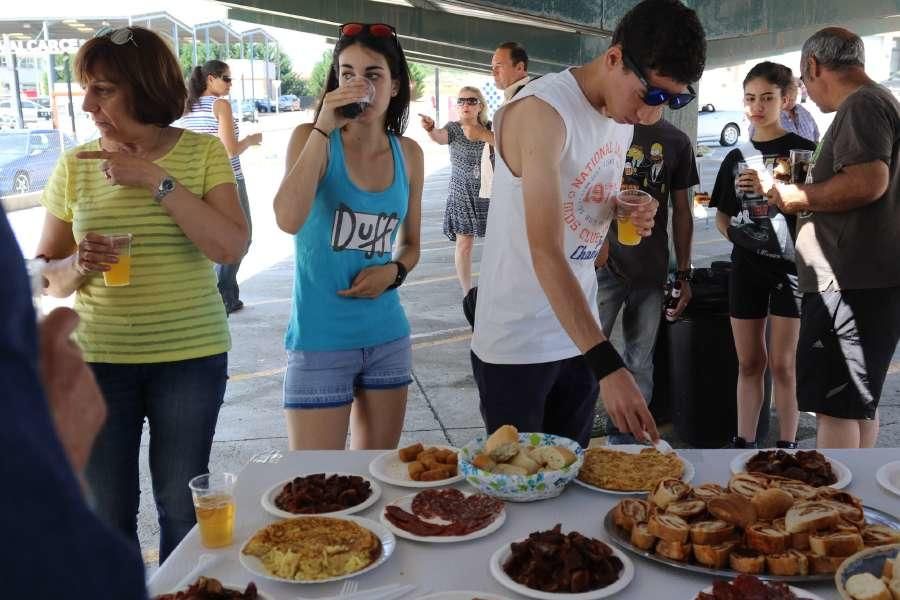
(847, 341)
(755, 293)
(553, 397)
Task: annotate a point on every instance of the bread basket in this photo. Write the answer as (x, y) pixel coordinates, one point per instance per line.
(521, 488)
(870, 560)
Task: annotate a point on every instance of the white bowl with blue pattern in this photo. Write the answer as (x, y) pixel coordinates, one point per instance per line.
(521, 488)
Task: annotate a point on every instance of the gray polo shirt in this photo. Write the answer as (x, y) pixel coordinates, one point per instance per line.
(860, 248)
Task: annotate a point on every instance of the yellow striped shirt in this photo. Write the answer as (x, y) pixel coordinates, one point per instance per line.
(172, 309)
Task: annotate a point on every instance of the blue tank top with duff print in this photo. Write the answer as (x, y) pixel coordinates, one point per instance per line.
(347, 230)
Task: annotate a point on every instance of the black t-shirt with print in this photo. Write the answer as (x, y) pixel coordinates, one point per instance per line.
(760, 233)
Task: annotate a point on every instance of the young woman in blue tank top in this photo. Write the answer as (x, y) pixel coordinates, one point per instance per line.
(352, 197)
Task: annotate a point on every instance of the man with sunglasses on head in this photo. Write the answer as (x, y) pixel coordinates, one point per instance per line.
(538, 351)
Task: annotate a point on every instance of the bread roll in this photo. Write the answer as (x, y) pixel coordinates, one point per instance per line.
(799, 541)
(505, 469)
(838, 543)
(711, 533)
(792, 562)
(747, 484)
(891, 568)
(669, 528)
(733, 509)
(687, 509)
(669, 490)
(629, 512)
(521, 459)
(641, 536)
(484, 462)
(810, 516)
(880, 535)
(747, 560)
(820, 565)
(847, 512)
(707, 491)
(865, 586)
(503, 444)
(715, 556)
(553, 458)
(797, 489)
(766, 538)
(674, 550)
(772, 503)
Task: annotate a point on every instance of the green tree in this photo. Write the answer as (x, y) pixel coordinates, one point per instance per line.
(418, 75)
(319, 75)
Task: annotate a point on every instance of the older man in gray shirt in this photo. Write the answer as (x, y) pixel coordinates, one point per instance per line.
(848, 244)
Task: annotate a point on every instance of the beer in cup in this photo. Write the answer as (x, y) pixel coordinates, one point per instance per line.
(627, 201)
(213, 495)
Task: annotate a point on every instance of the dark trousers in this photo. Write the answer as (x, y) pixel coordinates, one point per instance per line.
(181, 401)
(553, 397)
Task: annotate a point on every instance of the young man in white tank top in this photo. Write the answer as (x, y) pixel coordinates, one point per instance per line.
(538, 351)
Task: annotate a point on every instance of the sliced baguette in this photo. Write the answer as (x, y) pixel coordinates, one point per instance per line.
(503, 444)
(521, 459)
(553, 457)
(865, 586)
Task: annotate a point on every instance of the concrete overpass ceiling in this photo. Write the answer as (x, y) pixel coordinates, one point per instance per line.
(558, 33)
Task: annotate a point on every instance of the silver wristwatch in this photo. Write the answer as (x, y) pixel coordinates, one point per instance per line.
(166, 186)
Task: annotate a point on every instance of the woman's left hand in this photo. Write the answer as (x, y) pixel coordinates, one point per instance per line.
(371, 282)
(122, 168)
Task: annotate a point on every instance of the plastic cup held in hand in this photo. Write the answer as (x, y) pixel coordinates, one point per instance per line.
(351, 111)
(119, 273)
(627, 202)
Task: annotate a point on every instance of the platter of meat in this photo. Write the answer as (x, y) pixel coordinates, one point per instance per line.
(809, 466)
(332, 494)
(551, 565)
(444, 515)
(207, 588)
(748, 587)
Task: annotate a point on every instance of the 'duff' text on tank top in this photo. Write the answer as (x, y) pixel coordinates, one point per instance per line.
(363, 232)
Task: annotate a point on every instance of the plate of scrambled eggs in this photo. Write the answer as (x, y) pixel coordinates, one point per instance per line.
(630, 469)
(317, 549)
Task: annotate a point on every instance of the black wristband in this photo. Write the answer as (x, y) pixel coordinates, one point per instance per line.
(401, 274)
(322, 132)
(603, 359)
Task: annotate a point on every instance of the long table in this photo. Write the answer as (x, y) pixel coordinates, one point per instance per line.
(464, 566)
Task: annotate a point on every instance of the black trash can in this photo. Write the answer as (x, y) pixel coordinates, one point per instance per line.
(703, 366)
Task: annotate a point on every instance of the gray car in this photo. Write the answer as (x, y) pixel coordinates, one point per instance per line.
(722, 126)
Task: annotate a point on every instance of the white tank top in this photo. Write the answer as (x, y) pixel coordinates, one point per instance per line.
(514, 323)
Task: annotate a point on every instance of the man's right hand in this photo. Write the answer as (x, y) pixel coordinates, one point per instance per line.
(75, 401)
(626, 406)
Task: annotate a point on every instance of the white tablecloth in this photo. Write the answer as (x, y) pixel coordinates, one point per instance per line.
(464, 566)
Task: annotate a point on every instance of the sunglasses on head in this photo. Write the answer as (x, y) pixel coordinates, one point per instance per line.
(469, 101)
(379, 30)
(119, 37)
(655, 96)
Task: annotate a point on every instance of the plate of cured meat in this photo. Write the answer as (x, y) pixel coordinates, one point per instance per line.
(746, 587)
(444, 516)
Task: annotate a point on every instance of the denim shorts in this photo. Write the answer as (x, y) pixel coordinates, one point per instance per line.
(325, 379)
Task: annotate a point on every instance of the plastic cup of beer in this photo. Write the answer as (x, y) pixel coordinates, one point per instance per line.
(119, 273)
(627, 201)
(213, 495)
(800, 165)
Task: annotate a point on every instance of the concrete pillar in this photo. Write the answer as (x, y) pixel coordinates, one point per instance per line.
(175, 39)
(194, 45)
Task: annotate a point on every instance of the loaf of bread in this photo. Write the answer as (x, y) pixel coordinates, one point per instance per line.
(711, 533)
(669, 528)
(810, 516)
(772, 503)
(503, 444)
(713, 556)
(792, 562)
(865, 586)
(733, 509)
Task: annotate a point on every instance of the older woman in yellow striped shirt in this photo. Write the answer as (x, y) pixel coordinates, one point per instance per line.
(158, 346)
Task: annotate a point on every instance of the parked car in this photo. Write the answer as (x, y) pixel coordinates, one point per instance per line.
(289, 102)
(31, 111)
(264, 105)
(28, 156)
(723, 126)
(245, 110)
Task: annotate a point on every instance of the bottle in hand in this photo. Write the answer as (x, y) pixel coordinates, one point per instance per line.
(672, 300)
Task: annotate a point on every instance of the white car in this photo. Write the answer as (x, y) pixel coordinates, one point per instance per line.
(32, 112)
(723, 126)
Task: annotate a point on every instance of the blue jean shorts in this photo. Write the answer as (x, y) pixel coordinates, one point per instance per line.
(326, 379)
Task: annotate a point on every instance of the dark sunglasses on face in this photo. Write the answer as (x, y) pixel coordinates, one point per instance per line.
(119, 37)
(654, 96)
(379, 30)
(469, 101)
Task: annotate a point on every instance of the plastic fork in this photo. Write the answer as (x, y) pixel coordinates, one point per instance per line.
(661, 445)
(348, 588)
